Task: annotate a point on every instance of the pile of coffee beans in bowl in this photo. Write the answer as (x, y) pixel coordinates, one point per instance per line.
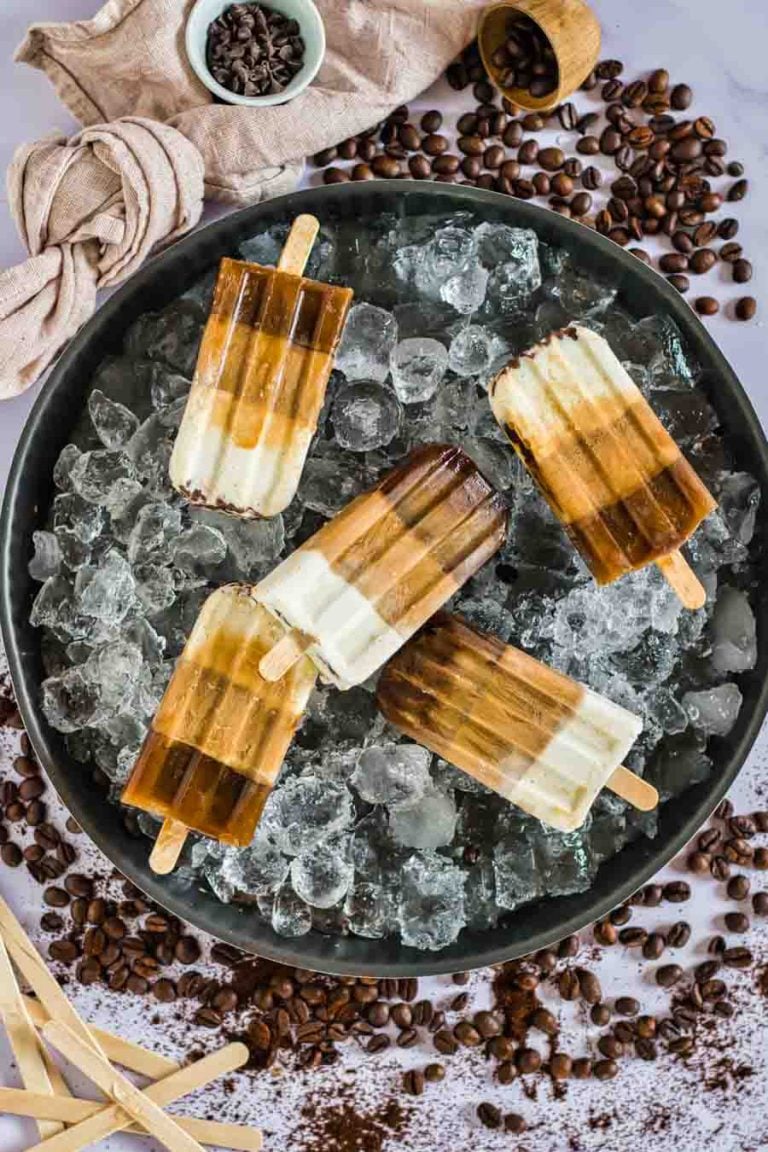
(526, 59)
(253, 50)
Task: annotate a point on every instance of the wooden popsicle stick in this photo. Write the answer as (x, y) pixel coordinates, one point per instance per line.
(17, 1102)
(280, 659)
(32, 967)
(139, 1106)
(119, 1051)
(682, 580)
(24, 1040)
(636, 791)
(298, 245)
(170, 841)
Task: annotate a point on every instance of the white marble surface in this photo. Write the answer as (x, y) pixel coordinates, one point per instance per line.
(720, 50)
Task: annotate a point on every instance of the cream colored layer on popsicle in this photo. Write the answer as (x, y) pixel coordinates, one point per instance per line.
(561, 785)
(356, 639)
(257, 479)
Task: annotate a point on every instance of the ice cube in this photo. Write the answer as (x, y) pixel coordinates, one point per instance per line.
(150, 450)
(511, 283)
(252, 544)
(495, 459)
(264, 248)
(365, 415)
(499, 244)
(62, 469)
(154, 587)
(392, 774)
(734, 632)
(327, 484)
(449, 252)
(106, 592)
(71, 511)
(171, 336)
(713, 711)
(739, 500)
(581, 294)
(370, 909)
(306, 811)
(431, 912)
(46, 560)
(465, 290)
(70, 701)
(157, 526)
(94, 474)
(290, 915)
(74, 553)
(198, 549)
(370, 334)
(446, 776)
(321, 877)
(258, 868)
(564, 860)
(687, 415)
(517, 874)
(429, 822)
(115, 669)
(167, 387)
(113, 422)
(471, 351)
(480, 896)
(418, 365)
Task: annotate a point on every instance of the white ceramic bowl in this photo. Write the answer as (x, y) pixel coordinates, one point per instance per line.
(204, 12)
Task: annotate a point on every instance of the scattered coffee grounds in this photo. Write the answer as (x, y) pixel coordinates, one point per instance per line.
(526, 59)
(670, 178)
(102, 931)
(254, 50)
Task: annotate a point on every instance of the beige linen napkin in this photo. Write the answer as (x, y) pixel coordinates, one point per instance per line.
(91, 209)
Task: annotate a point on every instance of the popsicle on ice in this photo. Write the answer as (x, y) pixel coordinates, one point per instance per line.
(531, 734)
(221, 732)
(364, 583)
(262, 370)
(608, 468)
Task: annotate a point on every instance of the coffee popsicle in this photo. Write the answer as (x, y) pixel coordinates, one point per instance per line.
(538, 738)
(608, 468)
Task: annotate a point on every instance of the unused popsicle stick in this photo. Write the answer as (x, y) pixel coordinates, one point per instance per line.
(139, 1106)
(32, 967)
(23, 1039)
(682, 580)
(168, 846)
(298, 245)
(284, 655)
(119, 1051)
(636, 791)
(18, 1102)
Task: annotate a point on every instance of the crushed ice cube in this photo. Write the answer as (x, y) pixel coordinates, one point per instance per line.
(74, 553)
(157, 526)
(495, 459)
(167, 387)
(714, 711)
(739, 500)
(62, 469)
(426, 823)
(471, 351)
(517, 873)
(46, 560)
(198, 548)
(291, 916)
(465, 290)
(431, 912)
(326, 486)
(370, 334)
(392, 774)
(252, 544)
(370, 909)
(259, 867)
(95, 473)
(365, 415)
(71, 511)
(113, 422)
(154, 587)
(321, 877)
(734, 632)
(306, 811)
(107, 591)
(418, 365)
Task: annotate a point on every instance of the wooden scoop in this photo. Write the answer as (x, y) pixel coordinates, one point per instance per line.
(293, 259)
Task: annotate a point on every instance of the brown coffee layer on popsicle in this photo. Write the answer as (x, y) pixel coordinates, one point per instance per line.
(411, 543)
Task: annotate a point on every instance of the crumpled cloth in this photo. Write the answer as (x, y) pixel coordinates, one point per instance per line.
(91, 209)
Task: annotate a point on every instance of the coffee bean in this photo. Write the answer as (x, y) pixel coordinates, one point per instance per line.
(633, 937)
(677, 891)
(545, 1021)
(706, 305)
(489, 1115)
(738, 190)
(605, 1069)
(384, 166)
(413, 1082)
(568, 985)
(524, 189)
(10, 855)
(760, 903)
(589, 986)
(55, 897)
(737, 958)
(493, 157)
(600, 1014)
(668, 974)
(760, 859)
(588, 145)
(741, 271)
(407, 1038)
(541, 183)
(581, 204)
(610, 141)
(63, 950)
(527, 1060)
(431, 122)
(528, 152)
(627, 1006)
(746, 308)
(677, 262)
(434, 144)
(551, 159)
(445, 1042)
(513, 134)
(643, 256)
(611, 1047)
(761, 821)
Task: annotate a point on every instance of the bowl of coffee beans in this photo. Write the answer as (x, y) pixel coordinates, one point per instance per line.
(537, 52)
(255, 54)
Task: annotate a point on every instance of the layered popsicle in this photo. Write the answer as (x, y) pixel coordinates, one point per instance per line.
(221, 733)
(608, 468)
(262, 371)
(369, 578)
(531, 734)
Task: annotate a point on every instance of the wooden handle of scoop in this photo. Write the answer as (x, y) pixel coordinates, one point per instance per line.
(636, 791)
(168, 846)
(298, 246)
(280, 659)
(682, 580)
